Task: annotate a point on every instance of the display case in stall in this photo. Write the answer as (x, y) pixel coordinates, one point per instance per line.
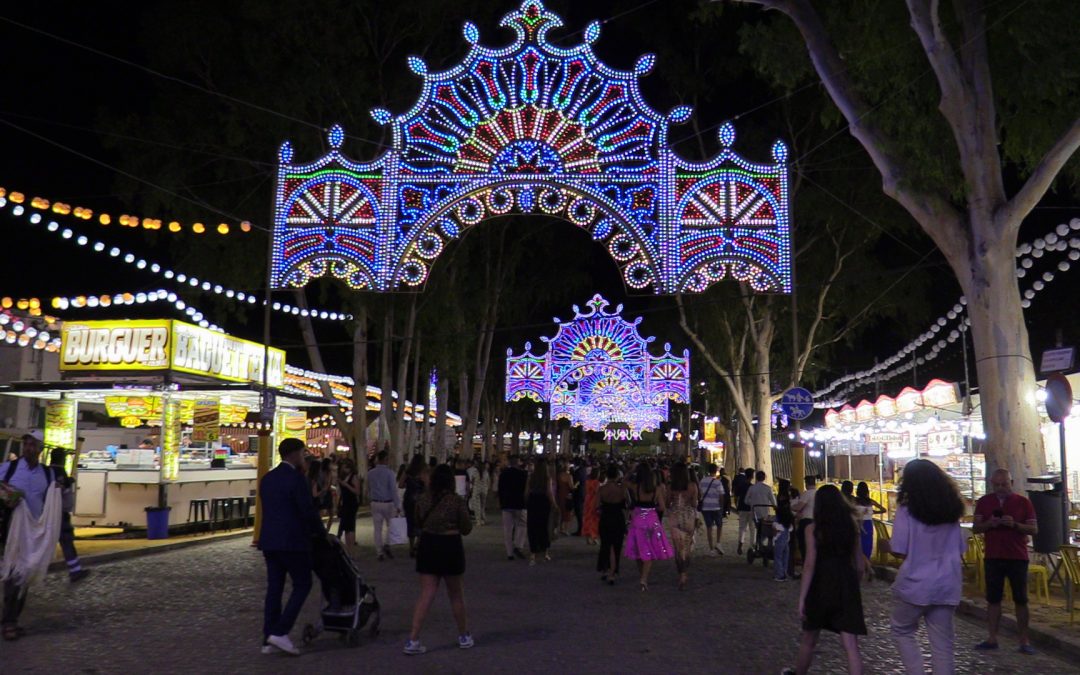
(174, 385)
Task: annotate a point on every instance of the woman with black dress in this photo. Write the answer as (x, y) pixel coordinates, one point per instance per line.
(349, 483)
(830, 598)
(538, 508)
(611, 505)
(443, 518)
(413, 482)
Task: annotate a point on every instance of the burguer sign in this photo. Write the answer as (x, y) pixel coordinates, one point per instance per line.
(164, 344)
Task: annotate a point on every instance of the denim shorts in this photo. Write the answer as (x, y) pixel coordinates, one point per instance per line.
(1000, 569)
(713, 518)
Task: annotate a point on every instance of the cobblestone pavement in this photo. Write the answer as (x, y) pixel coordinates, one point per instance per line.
(199, 610)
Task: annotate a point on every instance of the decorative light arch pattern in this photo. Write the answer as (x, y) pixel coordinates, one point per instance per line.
(597, 371)
(534, 128)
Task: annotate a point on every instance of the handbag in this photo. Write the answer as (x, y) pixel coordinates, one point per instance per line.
(701, 500)
(399, 531)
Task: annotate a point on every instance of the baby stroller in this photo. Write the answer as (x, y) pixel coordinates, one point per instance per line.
(350, 604)
(763, 539)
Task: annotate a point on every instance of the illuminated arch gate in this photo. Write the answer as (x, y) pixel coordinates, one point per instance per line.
(533, 128)
(597, 371)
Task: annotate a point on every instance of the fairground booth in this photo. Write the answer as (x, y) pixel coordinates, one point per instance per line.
(167, 413)
(873, 440)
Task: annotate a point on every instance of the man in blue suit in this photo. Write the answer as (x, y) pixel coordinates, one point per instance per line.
(289, 521)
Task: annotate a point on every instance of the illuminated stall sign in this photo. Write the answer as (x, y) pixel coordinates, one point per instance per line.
(534, 127)
(937, 394)
(165, 345)
(60, 430)
(598, 372)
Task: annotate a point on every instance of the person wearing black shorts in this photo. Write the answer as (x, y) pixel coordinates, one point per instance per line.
(1005, 519)
(443, 519)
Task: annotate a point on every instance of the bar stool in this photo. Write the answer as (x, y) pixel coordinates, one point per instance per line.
(198, 509)
(241, 509)
(221, 509)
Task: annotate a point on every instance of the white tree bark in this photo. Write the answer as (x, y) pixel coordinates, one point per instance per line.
(978, 239)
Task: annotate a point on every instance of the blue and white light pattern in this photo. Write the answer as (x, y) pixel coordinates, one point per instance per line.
(597, 371)
(534, 128)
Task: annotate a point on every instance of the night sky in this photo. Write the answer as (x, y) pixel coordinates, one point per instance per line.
(63, 95)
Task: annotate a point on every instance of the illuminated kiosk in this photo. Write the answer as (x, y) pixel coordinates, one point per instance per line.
(597, 372)
(158, 377)
(533, 127)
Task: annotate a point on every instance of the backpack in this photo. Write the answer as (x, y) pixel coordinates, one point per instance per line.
(5, 510)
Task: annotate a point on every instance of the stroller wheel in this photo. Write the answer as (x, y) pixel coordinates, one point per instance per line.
(750, 557)
(309, 634)
(373, 631)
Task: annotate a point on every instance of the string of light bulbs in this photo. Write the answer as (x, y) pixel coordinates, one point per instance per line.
(100, 247)
(1057, 240)
(16, 330)
(124, 220)
(62, 303)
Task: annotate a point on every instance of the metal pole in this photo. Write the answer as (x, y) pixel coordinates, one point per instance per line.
(967, 412)
(797, 446)
(1064, 486)
(266, 415)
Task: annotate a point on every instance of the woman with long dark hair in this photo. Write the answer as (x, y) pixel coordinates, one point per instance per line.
(683, 503)
(646, 541)
(611, 514)
(830, 598)
(926, 531)
(413, 482)
(539, 504)
(443, 518)
(865, 510)
(349, 483)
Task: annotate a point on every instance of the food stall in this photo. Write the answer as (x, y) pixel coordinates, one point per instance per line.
(872, 441)
(173, 385)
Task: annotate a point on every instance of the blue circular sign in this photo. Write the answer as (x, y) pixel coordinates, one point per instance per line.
(797, 403)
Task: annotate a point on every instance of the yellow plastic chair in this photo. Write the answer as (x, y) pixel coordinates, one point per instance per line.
(883, 537)
(978, 551)
(1070, 560)
(1039, 577)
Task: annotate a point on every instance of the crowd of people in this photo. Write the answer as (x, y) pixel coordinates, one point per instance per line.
(655, 510)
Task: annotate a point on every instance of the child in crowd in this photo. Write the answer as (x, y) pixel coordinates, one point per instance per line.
(782, 526)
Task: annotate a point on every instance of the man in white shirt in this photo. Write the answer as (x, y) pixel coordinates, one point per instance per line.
(32, 479)
(803, 508)
(385, 502)
(761, 497)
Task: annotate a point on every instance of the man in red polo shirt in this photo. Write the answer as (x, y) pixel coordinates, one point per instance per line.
(1007, 519)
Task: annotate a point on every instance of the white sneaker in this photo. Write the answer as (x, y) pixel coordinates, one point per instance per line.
(465, 641)
(413, 647)
(714, 553)
(283, 643)
(268, 649)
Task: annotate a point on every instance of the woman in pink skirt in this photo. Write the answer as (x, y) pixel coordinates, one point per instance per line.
(645, 539)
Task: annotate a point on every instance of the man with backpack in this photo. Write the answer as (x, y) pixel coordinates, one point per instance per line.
(31, 480)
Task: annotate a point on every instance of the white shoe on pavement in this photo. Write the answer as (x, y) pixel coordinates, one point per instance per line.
(414, 648)
(283, 643)
(714, 553)
(465, 641)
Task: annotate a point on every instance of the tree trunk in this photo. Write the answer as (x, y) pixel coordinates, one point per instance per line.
(417, 394)
(398, 430)
(442, 396)
(1004, 366)
(386, 383)
(359, 398)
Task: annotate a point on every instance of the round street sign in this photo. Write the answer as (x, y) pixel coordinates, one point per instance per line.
(797, 403)
(1058, 397)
